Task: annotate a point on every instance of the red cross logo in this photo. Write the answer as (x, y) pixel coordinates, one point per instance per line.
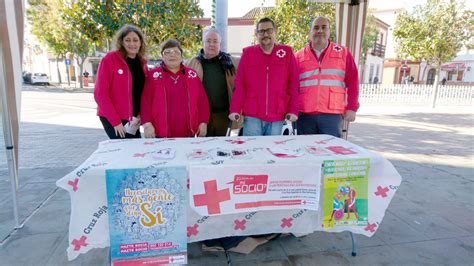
(286, 222)
(148, 143)
(370, 227)
(236, 141)
(337, 48)
(240, 224)
(212, 197)
(193, 230)
(304, 202)
(381, 191)
(136, 155)
(281, 53)
(323, 141)
(78, 243)
(73, 184)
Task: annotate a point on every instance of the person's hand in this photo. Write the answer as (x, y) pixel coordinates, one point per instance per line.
(291, 117)
(149, 130)
(350, 116)
(202, 131)
(234, 116)
(119, 131)
(136, 122)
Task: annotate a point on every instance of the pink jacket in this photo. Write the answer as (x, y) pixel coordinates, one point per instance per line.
(113, 88)
(266, 86)
(154, 106)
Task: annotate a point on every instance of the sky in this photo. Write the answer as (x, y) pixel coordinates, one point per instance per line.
(238, 8)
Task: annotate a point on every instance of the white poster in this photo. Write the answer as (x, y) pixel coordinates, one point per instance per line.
(230, 189)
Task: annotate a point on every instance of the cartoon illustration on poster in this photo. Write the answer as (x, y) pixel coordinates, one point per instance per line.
(147, 214)
(345, 192)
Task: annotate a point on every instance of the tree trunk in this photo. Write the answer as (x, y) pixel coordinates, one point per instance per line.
(436, 86)
(423, 73)
(80, 60)
(59, 72)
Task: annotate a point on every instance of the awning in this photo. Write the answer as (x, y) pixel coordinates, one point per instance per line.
(453, 66)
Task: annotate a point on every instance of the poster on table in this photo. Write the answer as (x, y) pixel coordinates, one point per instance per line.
(228, 189)
(147, 215)
(345, 192)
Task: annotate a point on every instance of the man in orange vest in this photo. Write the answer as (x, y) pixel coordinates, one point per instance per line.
(329, 83)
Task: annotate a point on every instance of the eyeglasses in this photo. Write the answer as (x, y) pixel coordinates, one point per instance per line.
(263, 31)
(171, 52)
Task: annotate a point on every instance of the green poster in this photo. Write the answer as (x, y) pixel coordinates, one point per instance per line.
(345, 200)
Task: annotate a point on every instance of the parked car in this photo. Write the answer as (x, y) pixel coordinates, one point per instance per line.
(39, 78)
(26, 77)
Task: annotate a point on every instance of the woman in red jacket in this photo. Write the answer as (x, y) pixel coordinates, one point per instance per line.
(174, 102)
(119, 84)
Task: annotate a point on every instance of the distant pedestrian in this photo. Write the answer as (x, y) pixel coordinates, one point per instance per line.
(85, 74)
(376, 80)
(119, 84)
(443, 82)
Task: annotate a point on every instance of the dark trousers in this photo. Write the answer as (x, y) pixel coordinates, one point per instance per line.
(330, 124)
(218, 123)
(109, 129)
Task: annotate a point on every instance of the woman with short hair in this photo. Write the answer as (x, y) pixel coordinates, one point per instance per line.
(174, 102)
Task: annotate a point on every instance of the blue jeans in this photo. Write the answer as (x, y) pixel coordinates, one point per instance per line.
(330, 124)
(257, 127)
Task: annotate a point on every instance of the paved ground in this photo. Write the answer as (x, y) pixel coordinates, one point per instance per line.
(430, 220)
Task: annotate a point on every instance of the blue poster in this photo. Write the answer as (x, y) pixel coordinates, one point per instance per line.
(147, 212)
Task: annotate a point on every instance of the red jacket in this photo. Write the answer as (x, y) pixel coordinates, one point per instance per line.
(113, 88)
(266, 86)
(155, 106)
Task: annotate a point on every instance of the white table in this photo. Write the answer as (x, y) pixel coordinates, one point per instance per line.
(88, 226)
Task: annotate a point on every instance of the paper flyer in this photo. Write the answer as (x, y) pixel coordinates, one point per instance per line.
(345, 192)
(147, 215)
(237, 188)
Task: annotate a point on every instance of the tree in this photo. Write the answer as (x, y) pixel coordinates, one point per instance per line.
(99, 20)
(293, 19)
(433, 33)
(371, 32)
(47, 27)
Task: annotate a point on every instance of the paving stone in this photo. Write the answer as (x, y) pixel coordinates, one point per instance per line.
(319, 258)
(28, 250)
(324, 241)
(53, 217)
(395, 230)
(198, 257)
(439, 252)
(381, 255)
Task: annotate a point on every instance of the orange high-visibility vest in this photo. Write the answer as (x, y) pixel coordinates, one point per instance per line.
(322, 88)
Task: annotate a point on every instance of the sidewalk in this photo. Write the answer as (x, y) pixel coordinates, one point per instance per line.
(430, 220)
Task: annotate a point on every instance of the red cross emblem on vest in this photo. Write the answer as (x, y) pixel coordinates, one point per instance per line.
(337, 48)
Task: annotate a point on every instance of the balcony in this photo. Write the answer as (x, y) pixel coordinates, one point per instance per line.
(378, 50)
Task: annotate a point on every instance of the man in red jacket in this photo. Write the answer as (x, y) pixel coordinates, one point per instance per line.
(328, 83)
(266, 84)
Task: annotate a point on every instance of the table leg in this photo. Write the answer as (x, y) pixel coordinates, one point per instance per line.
(354, 245)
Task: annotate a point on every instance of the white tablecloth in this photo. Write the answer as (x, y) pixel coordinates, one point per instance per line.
(88, 226)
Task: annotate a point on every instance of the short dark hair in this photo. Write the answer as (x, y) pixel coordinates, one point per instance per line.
(170, 43)
(266, 19)
(124, 31)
